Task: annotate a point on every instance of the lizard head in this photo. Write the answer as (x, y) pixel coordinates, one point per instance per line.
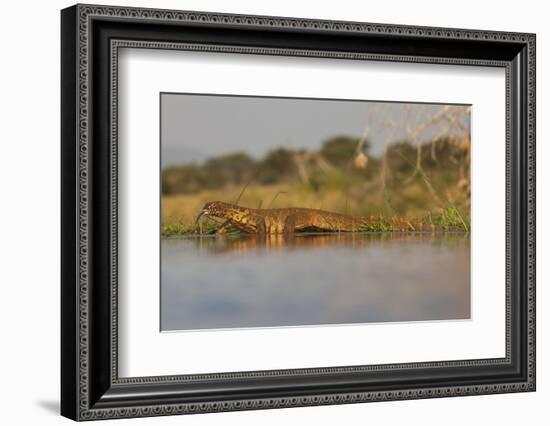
(219, 209)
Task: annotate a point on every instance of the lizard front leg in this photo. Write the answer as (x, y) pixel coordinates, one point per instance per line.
(250, 225)
(224, 227)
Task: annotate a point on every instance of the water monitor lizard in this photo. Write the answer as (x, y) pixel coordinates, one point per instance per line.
(296, 219)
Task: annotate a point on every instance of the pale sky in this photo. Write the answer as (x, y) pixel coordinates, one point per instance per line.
(196, 127)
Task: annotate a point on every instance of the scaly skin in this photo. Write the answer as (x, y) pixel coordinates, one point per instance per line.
(291, 220)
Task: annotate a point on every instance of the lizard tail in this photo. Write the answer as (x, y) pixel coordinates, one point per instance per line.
(395, 224)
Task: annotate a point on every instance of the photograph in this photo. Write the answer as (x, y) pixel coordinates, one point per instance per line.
(285, 212)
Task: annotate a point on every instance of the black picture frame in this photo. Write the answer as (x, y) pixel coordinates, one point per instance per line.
(90, 386)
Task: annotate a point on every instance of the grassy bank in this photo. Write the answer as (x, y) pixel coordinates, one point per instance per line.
(179, 211)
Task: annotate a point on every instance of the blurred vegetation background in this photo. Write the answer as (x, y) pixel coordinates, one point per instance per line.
(413, 177)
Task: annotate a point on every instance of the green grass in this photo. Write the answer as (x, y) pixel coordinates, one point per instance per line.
(378, 226)
(205, 227)
(449, 218)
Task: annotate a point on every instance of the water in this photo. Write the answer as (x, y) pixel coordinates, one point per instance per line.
(270, 281)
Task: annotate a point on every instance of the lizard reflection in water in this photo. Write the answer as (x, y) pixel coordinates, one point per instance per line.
(254, 243)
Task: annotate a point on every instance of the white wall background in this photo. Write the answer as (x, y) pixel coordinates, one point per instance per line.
(29, 213)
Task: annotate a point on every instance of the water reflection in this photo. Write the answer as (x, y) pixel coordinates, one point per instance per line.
(245, 243)
(230, 282)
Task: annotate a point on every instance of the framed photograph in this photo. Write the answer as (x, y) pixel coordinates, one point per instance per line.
(263, 212)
